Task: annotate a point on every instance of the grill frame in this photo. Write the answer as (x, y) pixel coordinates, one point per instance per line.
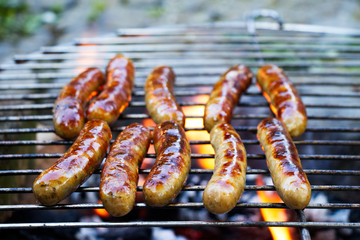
(123, 38)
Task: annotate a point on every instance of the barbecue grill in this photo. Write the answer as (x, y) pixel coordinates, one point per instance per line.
(322, 62)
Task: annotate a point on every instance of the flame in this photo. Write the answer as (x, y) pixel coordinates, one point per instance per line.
(267, 97)
(272, 214)
(101, 212)
(199, 135)
(86, 57)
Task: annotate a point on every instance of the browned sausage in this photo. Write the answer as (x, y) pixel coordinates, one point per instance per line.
(116, 95)
(284, 163)
(160, 101)
(75, 166)
(119, 175)
(227, 183)
(172, 165)
(285, 100)
(69, 112)
(225, 95)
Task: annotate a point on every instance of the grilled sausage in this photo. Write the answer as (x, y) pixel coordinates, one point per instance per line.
(171, 167)
(119, 175)
(225, 95)
(284, 163)
(227, 183)
(285, 100)
(116, 95)
(69, 113)
(75, 166)
(160, 101)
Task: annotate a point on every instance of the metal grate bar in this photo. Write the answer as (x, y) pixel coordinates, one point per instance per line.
(179, 83)
(192, 142)
(238, 128)
(215, 38)
(177, 224)
(176, 55)
(181, 72)
(305, 235)
(197, 47)
(193, 155)
(45, 96)
(144, 116)
(173, 205)
(200, 188)
(142, 104)
(180, 63)
(199, 171)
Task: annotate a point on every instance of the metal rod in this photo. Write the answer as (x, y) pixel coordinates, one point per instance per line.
(176, 55)
(48, 96)
(180, 71)
(193, 155)
(199, 171)
(181, 82)
(196, 47)
(176, 224)
(198, 188)
(238, 128)
(304, 232)
(17, 207)
(181, 63)
(216, 38)
(192, 142)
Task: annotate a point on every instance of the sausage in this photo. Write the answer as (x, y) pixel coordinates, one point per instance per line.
(285, 100)
(68, 111)
(227, 183)
(116, 95)
(75, 166)
(172, 165)
(119, 175)
(284, 163)
(160, 101)
(225, 95)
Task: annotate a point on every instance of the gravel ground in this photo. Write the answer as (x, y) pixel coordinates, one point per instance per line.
(74, 21)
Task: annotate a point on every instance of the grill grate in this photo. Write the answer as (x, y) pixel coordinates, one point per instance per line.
(322, 63)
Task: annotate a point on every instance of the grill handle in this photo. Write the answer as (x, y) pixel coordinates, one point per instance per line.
(262, 13)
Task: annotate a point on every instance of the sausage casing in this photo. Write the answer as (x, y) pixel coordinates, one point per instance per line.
(227, 183)
(160, 100)
(225, 95)
(116, 95)
(284, 163)
(120, 173)
(172, 165)
(285, 100)
(75, 166)
(68, 111)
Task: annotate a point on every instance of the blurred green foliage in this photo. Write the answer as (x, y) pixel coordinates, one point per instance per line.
(17, 20)
(156, 11)
(97, 8)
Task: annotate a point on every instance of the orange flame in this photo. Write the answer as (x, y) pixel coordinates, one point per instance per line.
(101, 212)
(267, 97)
(272, 214)
(199, 135)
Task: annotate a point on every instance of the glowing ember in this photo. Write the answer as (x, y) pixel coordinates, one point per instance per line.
(272, 214)
(101, 212)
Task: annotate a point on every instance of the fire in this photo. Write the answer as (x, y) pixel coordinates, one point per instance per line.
(199, 135)
(272, 214)
(267, 97)
(101, 212)
(86, 59)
